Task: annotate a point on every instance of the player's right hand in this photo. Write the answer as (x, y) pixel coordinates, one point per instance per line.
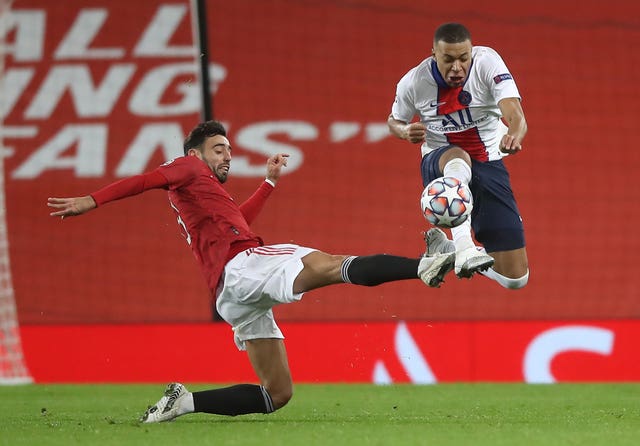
(274, 165)
(415, 132)
(70, 207)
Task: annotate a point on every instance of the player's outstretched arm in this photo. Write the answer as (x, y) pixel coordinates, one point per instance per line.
(70, 207)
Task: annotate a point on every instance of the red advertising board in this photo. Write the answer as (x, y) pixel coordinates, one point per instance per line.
(379, 352)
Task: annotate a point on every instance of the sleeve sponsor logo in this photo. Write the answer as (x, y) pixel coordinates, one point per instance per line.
(502, 77)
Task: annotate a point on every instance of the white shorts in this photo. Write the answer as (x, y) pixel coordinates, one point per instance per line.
(252, 283)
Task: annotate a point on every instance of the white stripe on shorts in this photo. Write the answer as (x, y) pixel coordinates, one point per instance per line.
(271, 251)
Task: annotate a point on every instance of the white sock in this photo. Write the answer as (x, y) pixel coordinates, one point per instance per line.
(458, 168)
(507, 282)
(462, 236)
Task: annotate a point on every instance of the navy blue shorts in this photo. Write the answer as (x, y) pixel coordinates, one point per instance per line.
(495, 218)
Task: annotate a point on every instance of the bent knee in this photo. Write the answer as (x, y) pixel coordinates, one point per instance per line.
(515, 283)
(454, 152)
(281, 397)
(280, 391)
(512, 283)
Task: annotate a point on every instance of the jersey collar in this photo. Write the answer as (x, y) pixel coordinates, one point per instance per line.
(438, 77)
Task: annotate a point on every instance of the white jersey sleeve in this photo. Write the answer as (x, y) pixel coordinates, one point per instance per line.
(403, 108)
(494, 74)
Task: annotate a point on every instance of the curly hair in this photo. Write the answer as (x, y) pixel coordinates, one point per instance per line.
(201, 132)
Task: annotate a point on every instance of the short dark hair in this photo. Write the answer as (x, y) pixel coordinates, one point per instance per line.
(451, 33)
(201, 132)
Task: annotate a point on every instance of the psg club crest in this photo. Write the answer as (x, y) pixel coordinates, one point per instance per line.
(464, 97)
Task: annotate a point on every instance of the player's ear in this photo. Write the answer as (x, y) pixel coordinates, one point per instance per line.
(194, 152)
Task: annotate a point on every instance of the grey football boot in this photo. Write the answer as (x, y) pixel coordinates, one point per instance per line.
(438, 259)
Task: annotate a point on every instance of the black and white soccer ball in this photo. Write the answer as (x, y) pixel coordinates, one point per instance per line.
(446, 202)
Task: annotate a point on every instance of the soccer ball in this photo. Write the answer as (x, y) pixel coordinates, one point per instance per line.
(446, 202)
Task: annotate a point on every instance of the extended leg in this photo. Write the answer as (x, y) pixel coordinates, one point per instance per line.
(321, 269)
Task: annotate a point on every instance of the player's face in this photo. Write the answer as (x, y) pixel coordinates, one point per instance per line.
(453, 60)
(216, 153)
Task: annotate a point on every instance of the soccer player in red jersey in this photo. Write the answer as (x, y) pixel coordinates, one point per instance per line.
(246, 277)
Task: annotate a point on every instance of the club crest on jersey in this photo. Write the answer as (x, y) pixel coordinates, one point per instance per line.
(166, 163)
(464, 97)
(502, 77)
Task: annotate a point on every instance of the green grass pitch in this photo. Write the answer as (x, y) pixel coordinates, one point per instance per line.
(444, 414)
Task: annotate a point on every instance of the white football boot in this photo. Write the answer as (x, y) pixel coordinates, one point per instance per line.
(472, 260)
(438, 260)
(168, 407)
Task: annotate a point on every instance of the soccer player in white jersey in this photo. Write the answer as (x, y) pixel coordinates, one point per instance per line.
(460, 95)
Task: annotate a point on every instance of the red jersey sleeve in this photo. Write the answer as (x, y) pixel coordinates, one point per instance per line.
(129, 186)
(252, 207)
(170, 175)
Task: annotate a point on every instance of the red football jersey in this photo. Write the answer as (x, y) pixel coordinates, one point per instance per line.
(213, 224)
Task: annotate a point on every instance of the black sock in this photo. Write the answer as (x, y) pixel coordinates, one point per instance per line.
(379, 268)
(235, 400)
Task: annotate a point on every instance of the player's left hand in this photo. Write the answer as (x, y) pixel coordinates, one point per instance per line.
(274, 166)
(509, 144)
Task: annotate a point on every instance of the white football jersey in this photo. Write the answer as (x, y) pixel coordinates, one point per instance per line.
(466, 116)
